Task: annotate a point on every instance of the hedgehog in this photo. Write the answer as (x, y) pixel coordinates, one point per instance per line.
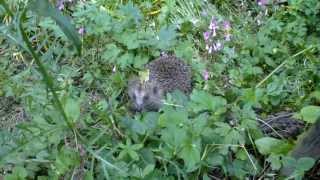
(166, 74)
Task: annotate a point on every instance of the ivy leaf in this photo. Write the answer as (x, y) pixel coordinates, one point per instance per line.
(310, 114)
(44, 8)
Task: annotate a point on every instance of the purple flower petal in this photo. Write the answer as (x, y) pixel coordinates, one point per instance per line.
(81, 31)
(213, 24)
(206, 35)
(205, 75)
(262, 2)
(226, 25)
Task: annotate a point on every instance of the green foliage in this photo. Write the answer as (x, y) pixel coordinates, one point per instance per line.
(78, 122)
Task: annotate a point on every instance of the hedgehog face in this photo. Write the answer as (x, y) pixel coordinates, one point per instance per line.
(145, 96)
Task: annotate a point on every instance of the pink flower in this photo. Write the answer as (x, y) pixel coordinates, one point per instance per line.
(81, 31)
(205, 75)
(226, 25)
(213, 24)
(262, 2)
(206, 35)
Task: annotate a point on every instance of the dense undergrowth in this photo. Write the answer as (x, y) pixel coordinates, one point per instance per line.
(66, 87)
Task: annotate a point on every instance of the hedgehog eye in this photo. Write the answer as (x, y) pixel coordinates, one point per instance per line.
(134, 97)
(145, 98)
(155, 90)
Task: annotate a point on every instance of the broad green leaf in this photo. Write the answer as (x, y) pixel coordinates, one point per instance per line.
(19, 173)
(268, 145)
(148, 169)
(44, 8)
(275, 161)
(191, 155)
(72, 109)
(131, 12)
(202, 100)
(315, 95)
(66, 159)
(174, 136)
(305, 164)
(310, 114)
(173, 117)
(166, 37)
(111, 53)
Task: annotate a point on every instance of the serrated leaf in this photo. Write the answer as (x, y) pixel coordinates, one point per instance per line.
(166, 37)
(173, 117)
(111, 53)
(66, 159)
(310, 114)
(191, 155)
(203, 101)
(44, 8)
(131, 12)
(174, 136)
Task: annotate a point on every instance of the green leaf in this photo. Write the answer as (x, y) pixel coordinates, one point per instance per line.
(268, 145)
(173, 117)
(129, 39)
(111, 53)
(72, 109)
(166, 37)
(19, 173)
(275, 161)
(201, 100)
(310, 114)
(131, 12)
(191, 155)
(66, 159)
(148, 169)
(44, 8)
(174, 136)
(304, 164)
(125, 60)
(315, 95)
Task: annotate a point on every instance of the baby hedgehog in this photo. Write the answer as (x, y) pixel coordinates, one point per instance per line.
(166, 74)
